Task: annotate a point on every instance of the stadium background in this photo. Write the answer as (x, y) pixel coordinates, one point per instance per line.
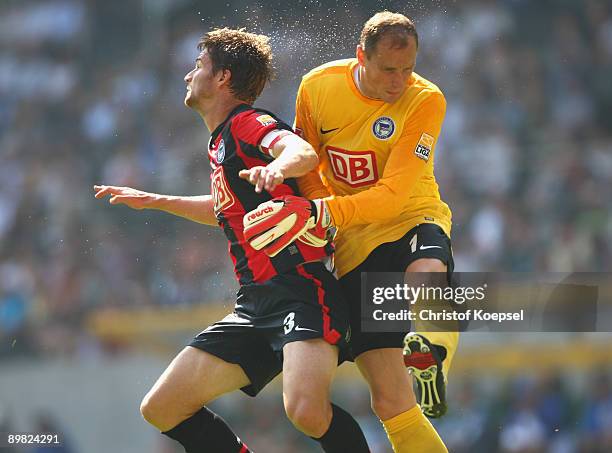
(95, 300)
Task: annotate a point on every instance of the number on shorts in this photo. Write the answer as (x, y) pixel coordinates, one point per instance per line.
(413, 244)
(289, 322)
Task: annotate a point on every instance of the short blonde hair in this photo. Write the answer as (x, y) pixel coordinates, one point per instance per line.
(385, 23)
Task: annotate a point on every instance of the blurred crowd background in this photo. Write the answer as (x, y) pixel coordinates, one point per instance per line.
(92, 92)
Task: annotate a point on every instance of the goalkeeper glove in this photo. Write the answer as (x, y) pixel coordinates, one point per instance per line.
(323, 230)
(277, 223)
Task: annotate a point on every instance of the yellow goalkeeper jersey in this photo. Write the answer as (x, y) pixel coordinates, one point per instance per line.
(376, 159)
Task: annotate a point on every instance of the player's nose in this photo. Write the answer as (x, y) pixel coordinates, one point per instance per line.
(397, 81)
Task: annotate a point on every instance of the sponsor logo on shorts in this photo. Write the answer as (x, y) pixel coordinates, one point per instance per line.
(383, 128)
(304, 328)
(425, 247)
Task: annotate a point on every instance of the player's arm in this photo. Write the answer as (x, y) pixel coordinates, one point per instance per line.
(310, 184)
(293, 157)
(197, 208)
(405, 166)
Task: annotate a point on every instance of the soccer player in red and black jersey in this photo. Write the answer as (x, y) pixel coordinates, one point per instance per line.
(290, 314)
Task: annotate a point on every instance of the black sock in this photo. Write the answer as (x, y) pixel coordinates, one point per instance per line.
(206, 432)
(343, 434)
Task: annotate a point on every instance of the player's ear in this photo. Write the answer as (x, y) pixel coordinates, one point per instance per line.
(224, 76)
(360, 53)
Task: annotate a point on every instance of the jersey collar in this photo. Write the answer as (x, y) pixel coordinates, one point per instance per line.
(351, 82)
(350, 75)
(236, 110)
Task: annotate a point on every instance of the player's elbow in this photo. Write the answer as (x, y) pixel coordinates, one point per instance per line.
(310, 157)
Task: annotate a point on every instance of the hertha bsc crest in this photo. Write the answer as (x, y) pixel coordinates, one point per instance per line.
(221, 152)
(383, 128)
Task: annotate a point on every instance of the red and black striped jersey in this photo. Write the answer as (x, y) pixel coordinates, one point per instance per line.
(235, 145)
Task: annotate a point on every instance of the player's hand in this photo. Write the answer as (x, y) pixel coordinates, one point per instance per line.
(323, 230)
(135, 199)
(263, 177)
(277, 223)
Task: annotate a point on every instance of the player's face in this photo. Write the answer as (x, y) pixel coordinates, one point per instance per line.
(386, 72)
(200, 82)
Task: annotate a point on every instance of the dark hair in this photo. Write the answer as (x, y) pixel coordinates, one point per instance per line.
(246, 55)
(385, 23)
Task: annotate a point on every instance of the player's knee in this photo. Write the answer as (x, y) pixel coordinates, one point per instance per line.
(150, 410)
(385, 408)
(387, 403)
(155, 412)
(310, 417)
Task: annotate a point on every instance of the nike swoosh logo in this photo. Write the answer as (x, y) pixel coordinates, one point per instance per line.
(304, 328)
(425, 247)
(327, 131)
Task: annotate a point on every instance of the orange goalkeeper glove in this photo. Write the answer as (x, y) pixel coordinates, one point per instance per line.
(277, 223)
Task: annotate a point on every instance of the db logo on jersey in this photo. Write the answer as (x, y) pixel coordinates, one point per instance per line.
(356, 168)
(221, 193)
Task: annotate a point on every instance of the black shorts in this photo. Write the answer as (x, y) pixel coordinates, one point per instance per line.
(427, 240)
(303, 304)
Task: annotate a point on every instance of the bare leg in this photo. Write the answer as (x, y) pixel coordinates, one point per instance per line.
(192, 380)
(390, 384)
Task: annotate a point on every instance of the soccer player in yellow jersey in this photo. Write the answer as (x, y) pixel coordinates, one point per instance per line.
(374, 123)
